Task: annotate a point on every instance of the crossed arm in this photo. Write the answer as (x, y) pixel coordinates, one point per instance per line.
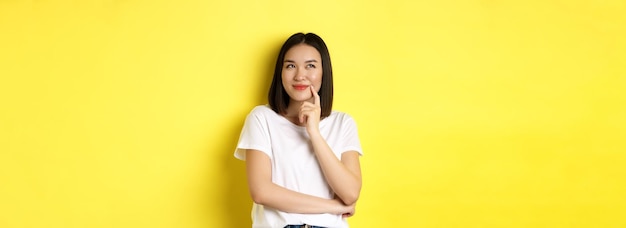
(343, 176)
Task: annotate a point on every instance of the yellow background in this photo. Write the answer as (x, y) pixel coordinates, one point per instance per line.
(125, 113)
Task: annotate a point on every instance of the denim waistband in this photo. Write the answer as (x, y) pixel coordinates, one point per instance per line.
(303, 226)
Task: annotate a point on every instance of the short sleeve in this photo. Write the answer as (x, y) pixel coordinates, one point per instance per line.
(350, 136)
(254, 135)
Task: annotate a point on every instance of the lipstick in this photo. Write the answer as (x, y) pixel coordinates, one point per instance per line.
(300, 87)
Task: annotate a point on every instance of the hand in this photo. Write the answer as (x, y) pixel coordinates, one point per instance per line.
(310, 112)
(345, 211)
(350, 212)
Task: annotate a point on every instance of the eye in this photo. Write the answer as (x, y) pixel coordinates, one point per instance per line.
(310, 65)
(289, 66)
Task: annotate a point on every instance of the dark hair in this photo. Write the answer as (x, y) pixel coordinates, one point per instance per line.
(278, 97)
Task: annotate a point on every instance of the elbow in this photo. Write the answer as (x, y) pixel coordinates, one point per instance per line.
(261, 193)
(350, 199)
(257, 197)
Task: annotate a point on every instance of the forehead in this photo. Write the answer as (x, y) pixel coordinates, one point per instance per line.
(302, 52)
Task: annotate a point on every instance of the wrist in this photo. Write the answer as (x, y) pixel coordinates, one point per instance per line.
(314, 134)
(338, 206)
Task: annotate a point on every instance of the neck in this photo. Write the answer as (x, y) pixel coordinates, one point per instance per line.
(294, 107)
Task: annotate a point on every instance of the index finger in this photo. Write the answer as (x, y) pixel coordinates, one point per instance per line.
(315, 95)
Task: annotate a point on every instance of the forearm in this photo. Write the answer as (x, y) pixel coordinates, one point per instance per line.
(267, 193)
(283, 199)
(344, 182)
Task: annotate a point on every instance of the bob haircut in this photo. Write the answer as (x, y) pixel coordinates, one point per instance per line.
(278, 97)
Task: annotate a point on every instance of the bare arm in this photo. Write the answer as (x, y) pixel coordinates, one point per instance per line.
(343, 176)
(265, 192)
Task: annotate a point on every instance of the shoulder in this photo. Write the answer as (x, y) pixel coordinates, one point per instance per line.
(261, 110)
(338, 116)
(262, 113)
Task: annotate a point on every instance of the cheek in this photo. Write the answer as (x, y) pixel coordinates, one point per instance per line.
(284, 77)
(318, 79)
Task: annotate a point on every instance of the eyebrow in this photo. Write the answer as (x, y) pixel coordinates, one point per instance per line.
(308, 61)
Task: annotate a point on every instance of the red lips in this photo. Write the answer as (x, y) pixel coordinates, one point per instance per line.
(300, 87)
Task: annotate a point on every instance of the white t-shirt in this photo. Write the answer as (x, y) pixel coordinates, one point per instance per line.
(294, 165)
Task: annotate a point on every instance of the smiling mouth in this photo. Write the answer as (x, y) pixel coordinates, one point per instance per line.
(300, 87)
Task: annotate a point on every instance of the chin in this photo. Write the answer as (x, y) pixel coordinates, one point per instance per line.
(300, 98)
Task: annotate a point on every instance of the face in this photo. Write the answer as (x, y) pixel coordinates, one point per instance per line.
(302, 67)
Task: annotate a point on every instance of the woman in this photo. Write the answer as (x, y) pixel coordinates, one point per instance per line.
(302, 158)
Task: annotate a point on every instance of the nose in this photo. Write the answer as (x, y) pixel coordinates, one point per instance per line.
(300, 75)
